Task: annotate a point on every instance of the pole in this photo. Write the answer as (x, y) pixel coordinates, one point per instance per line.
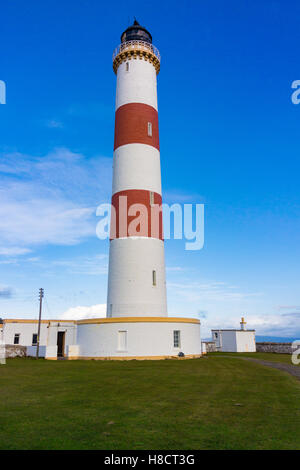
(41, 295)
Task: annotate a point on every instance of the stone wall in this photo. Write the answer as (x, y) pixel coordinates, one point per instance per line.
(15, 350)
(281, 348)
(210, 346)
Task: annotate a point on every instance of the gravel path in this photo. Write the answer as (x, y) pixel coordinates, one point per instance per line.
(291, 369)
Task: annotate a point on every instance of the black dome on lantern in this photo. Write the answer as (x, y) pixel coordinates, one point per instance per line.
(136, 32)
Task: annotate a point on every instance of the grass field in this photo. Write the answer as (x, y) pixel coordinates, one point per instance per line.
(208, 403)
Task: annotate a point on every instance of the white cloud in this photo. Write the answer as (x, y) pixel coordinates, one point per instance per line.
(54, 124)
(50, 199)
(83, 312)
(13, 250)
(216, 291)
(220, 305)
(5, 292)
(37, 221)
(174, 268)
(93, 265)
(264, 324)
(288, 307)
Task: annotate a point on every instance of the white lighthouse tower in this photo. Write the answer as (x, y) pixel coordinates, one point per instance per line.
(137, 325)
(136, 285)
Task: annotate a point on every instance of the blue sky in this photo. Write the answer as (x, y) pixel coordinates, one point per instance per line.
(229, 136)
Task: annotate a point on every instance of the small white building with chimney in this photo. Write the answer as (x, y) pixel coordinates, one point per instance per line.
(241, 340)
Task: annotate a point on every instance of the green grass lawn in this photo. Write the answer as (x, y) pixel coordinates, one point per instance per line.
(207, 403)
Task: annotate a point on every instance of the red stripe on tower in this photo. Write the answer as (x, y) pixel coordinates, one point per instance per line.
(136, 123)
(138, 213)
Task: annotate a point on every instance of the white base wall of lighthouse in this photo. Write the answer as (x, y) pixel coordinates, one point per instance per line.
(131, 290)
(140, 339)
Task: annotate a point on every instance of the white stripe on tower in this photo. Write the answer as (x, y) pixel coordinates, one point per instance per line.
(136, 84)
(136, 166)
(136, 282)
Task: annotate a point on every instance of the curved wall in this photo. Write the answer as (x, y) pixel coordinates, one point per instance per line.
(136, 166)
(144, 339)
(130, 285)
(136, 83)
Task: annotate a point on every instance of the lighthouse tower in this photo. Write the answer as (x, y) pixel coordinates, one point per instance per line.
(137, 325)
(136, 285)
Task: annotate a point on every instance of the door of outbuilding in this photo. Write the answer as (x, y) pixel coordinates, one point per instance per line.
(61, 343)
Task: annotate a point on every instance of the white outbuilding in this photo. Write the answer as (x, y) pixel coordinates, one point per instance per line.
(241, 340)
(106, 338)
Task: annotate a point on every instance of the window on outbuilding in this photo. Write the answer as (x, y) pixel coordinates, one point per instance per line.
(17, 338)
(34, 339)
(122, 340)
(176, 338)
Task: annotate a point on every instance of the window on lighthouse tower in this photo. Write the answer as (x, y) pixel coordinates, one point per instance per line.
(154, 278)
(127, 67)
(151, 198)
(150, 129)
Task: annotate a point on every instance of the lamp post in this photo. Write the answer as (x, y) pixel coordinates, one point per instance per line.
(41, 295)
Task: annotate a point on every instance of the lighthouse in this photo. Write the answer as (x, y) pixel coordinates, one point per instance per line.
(137, 325)
(136, 283)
